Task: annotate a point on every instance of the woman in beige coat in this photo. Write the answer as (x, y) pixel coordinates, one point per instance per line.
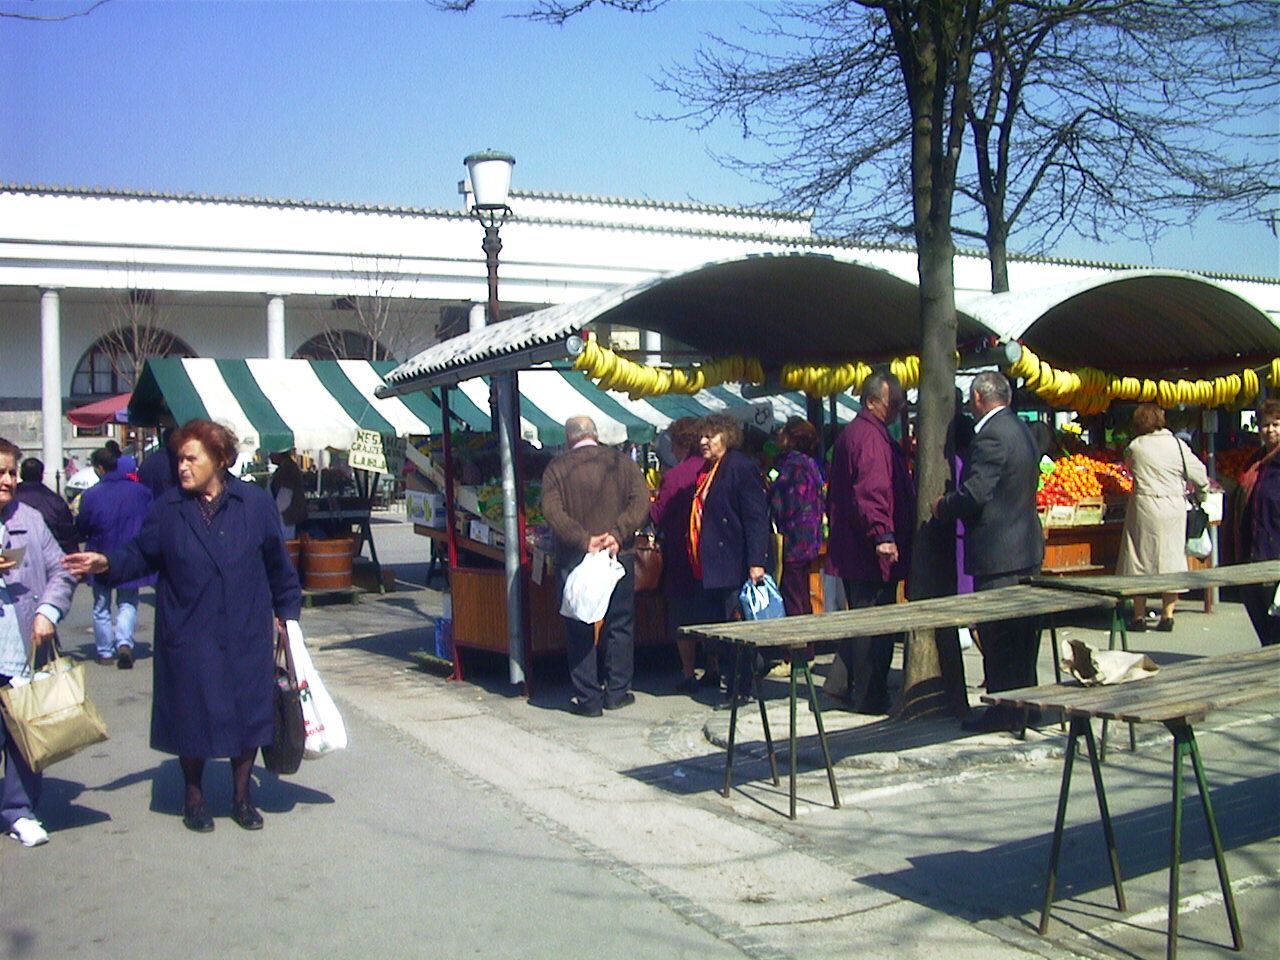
(1155, 522)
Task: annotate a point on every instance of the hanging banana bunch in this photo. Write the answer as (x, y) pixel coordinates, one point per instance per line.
(639, 380)
(1089, 390)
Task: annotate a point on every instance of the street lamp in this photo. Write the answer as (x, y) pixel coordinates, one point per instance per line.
(490, 175)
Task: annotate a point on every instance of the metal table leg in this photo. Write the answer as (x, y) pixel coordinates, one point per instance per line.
(1184, 744)
(764, 721)
(1079, 725)
(733, 717)
(822, 733)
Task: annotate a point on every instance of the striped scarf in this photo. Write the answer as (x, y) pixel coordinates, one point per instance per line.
(695, 518)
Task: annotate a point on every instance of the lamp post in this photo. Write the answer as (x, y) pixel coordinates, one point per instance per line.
(490, 175)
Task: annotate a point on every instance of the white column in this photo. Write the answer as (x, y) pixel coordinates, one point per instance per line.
(51, 384)
(275, 326)
(478, 318)
(651, 344)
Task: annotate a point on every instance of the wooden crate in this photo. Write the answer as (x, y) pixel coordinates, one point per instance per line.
(480, 613)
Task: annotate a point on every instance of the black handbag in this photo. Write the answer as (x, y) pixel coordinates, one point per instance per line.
(284, 753)
(1197, 519)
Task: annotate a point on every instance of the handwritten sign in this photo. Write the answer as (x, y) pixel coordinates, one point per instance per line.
(378, 452)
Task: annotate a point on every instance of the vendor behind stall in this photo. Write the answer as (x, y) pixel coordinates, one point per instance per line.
(290, 492)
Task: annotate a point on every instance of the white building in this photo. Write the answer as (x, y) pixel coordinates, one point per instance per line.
(262, 277)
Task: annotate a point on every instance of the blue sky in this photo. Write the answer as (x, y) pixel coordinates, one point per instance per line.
(379, 101)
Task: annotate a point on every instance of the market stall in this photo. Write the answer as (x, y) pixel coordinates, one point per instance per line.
(1094, 348)
(317, 406)
(794, 328)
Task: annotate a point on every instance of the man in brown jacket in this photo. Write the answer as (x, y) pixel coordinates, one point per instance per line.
(595, 498)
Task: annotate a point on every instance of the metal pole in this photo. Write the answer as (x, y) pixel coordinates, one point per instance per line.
(508, 434)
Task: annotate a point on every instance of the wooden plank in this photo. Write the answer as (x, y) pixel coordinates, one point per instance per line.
(1184, 690)
(932, 614)
(1117, 586)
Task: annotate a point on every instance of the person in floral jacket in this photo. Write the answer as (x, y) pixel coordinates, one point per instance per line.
(795, 502)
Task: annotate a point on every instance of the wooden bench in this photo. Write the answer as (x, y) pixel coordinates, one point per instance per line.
(1179, 696)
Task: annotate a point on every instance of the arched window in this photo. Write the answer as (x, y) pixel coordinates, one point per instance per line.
(110, 366)
(342, 345)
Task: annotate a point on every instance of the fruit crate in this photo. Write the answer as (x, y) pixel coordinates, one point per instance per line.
(1058, 515)
(1089, 511)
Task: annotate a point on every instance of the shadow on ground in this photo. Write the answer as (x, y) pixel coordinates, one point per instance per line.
(1013, 873)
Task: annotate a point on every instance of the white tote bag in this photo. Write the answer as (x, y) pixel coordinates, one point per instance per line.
(589, 586)
(325, 730)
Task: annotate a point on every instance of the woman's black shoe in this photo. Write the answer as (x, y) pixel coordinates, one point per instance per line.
(196, 817)
(244, 814)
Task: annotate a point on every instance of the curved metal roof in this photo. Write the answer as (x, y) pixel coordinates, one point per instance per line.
(788, 308)
(1148, 318)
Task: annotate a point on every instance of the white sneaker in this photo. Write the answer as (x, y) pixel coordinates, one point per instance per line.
(28, 832)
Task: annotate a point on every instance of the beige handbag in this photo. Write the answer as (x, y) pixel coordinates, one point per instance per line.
(51, 718)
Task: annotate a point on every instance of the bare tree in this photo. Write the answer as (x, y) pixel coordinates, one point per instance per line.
(134, 328)
(19, 13)
(1118, 120)
(1107, 118)
(864, 115)
(388, 326)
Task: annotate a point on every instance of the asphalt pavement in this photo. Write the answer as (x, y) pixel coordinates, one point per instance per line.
(467, 820)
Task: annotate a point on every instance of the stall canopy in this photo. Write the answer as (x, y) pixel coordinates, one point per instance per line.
(790, 308)
(312, 404)
(111, 410)
(1153, 318)
(548, 397)
(278, 404)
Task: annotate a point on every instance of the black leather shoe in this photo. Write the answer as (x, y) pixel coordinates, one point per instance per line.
(744, 699)
(1165, 625)
(626, 700)
(196, 818)
(992, 720)
(584, 709)
(711, 678)
(1136, 626)
(246, 815)
(124, 657)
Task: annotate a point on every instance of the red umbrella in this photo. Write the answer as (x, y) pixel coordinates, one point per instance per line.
(111, 410)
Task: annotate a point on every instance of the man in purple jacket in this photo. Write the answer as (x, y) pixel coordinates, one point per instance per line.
(871, 514)
(111, 514)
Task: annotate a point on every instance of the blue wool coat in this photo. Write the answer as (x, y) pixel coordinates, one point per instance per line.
(111, 514)
(735, 523)
(218, 589)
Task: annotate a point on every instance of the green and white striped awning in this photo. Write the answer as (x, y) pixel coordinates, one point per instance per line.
(278, 404)
(313, 404)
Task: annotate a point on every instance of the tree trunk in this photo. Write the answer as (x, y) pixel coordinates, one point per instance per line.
(998, 251)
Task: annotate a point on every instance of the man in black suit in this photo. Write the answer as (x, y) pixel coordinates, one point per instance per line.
(1004, 541)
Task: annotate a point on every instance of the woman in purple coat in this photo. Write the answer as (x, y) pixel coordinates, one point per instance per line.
(35, 593)
(224, 580)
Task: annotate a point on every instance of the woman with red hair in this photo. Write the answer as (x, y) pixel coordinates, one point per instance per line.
(225, 581)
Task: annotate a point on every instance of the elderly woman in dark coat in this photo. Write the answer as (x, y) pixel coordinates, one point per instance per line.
(728, 522)
(224, 571)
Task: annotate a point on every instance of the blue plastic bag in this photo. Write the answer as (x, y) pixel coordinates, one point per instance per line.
(761, 601)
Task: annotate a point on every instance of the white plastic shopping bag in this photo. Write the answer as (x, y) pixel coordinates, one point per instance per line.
(325, 730)
(589, 586)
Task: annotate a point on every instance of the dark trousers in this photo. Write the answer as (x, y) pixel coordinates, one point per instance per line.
(20, 788)
(867, 659)
(616, 651)
(1257, 599)
(1009, 647)
(794, 588)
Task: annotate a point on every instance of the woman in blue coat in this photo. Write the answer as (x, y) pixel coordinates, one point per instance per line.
(224, 580)
(728, 523)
